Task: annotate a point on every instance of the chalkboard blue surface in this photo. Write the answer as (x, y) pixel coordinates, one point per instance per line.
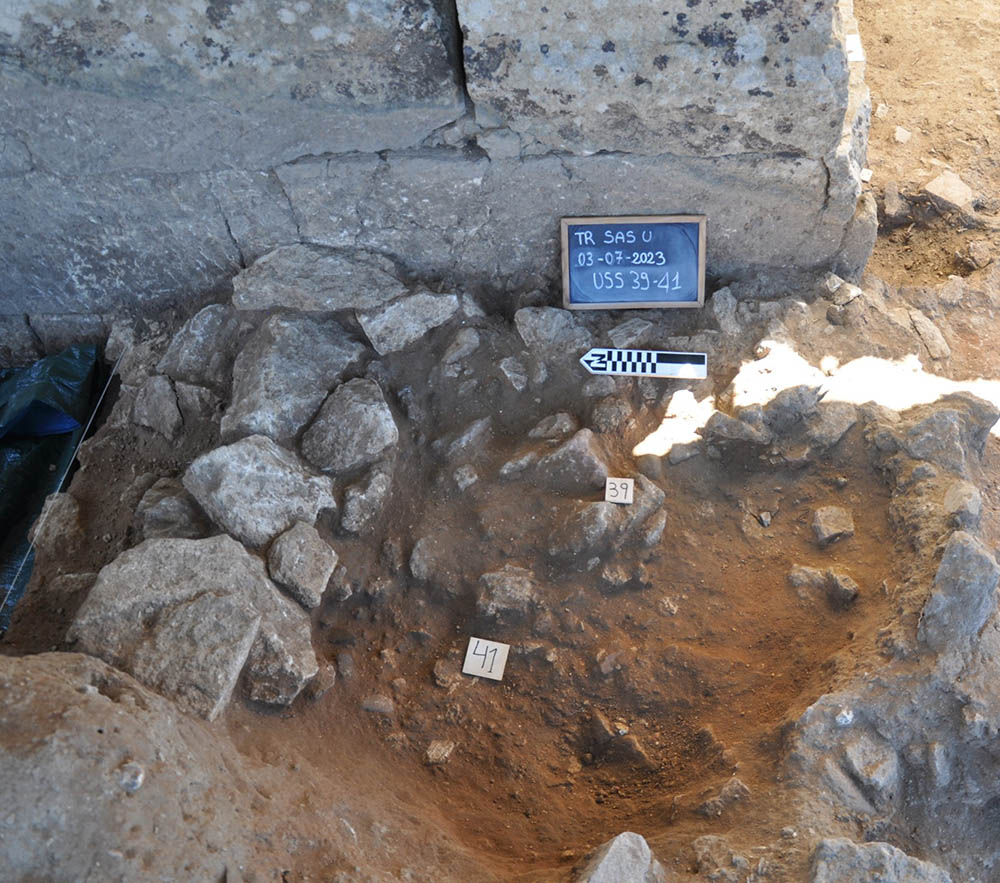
(632, 262)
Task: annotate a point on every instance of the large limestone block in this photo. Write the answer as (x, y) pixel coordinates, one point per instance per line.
(184, 617)
(705, 79)
(469, 219)
(188, 85)
(254, 489)
(283, 373)
(111, 782)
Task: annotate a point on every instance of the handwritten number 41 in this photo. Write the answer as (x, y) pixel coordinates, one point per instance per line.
(487, 654)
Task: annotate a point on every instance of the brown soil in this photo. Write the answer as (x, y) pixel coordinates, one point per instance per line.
(936, 70)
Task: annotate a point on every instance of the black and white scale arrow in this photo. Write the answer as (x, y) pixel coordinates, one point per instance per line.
(646, 363)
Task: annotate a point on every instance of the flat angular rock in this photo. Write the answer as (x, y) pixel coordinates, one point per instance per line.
(964, 594)
(626, 858)
(202, 351)
(550, 333)
(721, 429)
(507, 593)
(283, 374)
(302, 277)
(156, 407)
(166, 510)
(790, 406)
(832, 524)
(254, 489)
(353, 429)
(950, 193)
(405, 321)
(839, 860)
(591, 530)
(302, 562)
(576, 466)
(630, 333)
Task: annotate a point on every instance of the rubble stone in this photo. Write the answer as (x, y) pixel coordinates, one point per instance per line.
(202, 352)
(364, 501)
(507, 593)
(404, 321)
(353, 429)
(311, 279)
(832, 524)
(626, 858)
(283, 374)
(949, 192)
(964, 593)
(156, 407)
(166, 510)
(576, 466)
(302, 562)
(255, 489)
(839, 860)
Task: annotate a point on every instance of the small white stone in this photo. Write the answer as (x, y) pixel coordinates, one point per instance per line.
(845, 717)
(902, 135)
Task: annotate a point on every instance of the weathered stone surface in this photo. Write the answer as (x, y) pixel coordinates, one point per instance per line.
(156, 407)
(839, 860)
(89, 245)
(282, 375)
(102, 755)
(832, 524)
(626, 858)
(790, 406)
(576, 466)
(166, 510)
(178, 87)
(462, 218)
(56, 332)
(406, 320)
(592, 530)
(202, 351)
(302, 562)
(549, 332)
(183, 616)
(509, 593)
(199, 406)
(179, 615)
(353, 429)
(255, 490)
(281, 660)
(302, 277)
(20, 346)
(364, 501)
(964, 593)
(945, 432)
(634, 79)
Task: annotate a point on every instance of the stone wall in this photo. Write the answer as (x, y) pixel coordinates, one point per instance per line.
(148, 152)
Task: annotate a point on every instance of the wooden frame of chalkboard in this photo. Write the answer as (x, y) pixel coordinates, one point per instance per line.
(633, 262)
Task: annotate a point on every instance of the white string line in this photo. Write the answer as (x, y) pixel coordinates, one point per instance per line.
(69, 465)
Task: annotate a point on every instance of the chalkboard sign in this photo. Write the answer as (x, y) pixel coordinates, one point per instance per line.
(633, 262)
